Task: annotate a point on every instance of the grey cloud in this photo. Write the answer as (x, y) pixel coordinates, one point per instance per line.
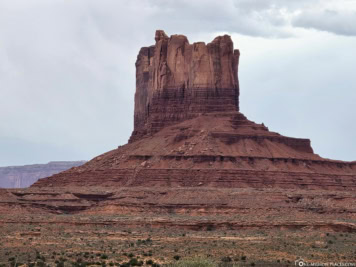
(337, 22)
(258, 5)
(227, 16)
(267, 18)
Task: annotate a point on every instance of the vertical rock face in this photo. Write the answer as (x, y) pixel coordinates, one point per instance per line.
(176, 80)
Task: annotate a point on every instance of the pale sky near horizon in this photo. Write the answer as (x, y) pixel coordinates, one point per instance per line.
(67, 69)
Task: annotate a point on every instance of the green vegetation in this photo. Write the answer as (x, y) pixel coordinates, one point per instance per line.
(197, 262)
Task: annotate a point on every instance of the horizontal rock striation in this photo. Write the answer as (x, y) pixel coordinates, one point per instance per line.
(218, 150)
(285, 204)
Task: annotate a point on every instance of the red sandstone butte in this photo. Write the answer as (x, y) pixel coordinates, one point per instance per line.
(176, 80)
(188, 131)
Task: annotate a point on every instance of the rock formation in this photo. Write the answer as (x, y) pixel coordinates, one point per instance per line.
(176, 80)
(24, 176)
(188, 131)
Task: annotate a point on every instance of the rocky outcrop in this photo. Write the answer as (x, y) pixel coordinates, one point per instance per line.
(176, 80)
(214, 150)
(189, 131)
(24, 176)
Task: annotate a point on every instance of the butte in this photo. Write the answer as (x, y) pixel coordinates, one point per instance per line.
(189, 132)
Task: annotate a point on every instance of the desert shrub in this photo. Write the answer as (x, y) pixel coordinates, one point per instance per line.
(226, 259)
(197, 262)
(135, 262)
(210, 227)
(176, 257)
(40, 264)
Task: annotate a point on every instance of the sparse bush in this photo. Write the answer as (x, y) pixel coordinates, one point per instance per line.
(40, 264)
(176, 257)
(149, 262)
(226, 259)
(210, 227)
(133, 262)
(198, 262)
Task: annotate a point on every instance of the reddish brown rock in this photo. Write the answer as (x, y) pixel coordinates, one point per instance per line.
(176, 80)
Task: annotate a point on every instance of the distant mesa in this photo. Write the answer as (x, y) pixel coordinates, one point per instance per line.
(189, 132)
(24, 176)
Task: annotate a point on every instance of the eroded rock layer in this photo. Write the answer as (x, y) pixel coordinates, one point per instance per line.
(215, 150)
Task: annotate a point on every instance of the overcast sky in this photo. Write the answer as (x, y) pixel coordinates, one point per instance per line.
(67, 69)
